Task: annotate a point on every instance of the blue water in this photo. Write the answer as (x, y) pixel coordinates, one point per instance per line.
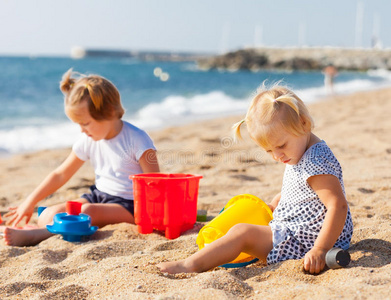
(31, 104)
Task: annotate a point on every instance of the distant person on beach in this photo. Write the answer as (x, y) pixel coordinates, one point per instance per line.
(329, 73)
(115, 148)
(310, 214)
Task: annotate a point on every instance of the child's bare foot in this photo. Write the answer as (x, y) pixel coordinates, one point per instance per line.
(24, 237)
(174, 267)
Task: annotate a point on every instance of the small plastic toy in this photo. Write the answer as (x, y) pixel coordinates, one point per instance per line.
(41, 209)
(337, 258)
(165, 202)
(201, 215)
(244, 208)
(72, 225)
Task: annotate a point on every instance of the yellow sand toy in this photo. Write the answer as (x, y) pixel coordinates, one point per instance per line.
(244, 208)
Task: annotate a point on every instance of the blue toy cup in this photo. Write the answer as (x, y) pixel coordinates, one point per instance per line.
(72, 227)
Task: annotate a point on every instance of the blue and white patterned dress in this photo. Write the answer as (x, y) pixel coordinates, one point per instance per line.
(299, 215)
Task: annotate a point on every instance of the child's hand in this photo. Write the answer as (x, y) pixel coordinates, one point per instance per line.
(16, 214)
(315, 260)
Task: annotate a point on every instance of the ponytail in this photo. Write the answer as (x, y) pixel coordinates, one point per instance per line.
(236, 129)
(67, 82)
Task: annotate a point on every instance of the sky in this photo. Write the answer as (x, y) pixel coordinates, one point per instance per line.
(53, 27)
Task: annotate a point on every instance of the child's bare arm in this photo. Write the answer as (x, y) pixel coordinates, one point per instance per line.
(48, 186)
(148, 162)
(329, 190)
(275, 202)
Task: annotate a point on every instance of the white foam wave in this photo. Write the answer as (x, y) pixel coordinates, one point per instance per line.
(33, 138)
(382, 73)
(343, 88)
(175, 110)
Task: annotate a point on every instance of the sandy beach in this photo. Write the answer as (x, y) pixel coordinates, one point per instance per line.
(119, 263)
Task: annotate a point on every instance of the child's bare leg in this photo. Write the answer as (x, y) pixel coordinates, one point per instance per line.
(255, 240)
(32, 236)
(107, 213)
(101, 215)
(46, 217)
(24, 237)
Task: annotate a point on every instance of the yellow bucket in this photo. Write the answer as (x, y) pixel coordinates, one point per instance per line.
(244, 208)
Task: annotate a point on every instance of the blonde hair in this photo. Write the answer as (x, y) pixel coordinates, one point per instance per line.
(103, 98)
(271, 107)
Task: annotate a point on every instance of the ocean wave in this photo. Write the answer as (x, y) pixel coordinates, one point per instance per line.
(33, 138)
(315, 94)
(382, 73)
(175, 110)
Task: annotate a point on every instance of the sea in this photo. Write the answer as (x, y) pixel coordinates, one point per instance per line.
(155, 94)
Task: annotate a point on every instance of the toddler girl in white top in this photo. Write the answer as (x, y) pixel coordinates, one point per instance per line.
(310, 215)
(115, 148)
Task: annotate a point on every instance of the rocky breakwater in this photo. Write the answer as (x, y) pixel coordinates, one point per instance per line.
(299, 59)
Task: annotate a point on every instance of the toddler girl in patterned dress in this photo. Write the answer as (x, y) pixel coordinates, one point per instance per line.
(310, 214)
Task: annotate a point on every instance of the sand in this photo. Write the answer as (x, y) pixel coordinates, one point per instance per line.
(119, 263)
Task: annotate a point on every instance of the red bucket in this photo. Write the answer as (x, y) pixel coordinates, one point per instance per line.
(165, 202)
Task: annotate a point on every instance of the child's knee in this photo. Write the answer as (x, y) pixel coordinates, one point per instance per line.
(243, 233)
(240, 229)
(87, 208)
(47, 215)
